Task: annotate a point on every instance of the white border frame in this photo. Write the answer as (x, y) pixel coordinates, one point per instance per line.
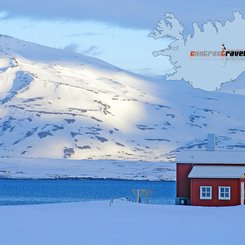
(225, 198)
(211, 193)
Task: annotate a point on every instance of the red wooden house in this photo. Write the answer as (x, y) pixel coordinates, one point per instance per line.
(210, 178)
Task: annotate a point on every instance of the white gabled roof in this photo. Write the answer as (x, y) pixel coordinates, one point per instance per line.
(213, 157)
(219, 172)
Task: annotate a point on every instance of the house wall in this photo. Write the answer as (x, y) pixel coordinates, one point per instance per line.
(235, 185)
(183, 182)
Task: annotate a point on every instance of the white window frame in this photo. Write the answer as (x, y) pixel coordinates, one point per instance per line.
(223, 197)
(205, 197)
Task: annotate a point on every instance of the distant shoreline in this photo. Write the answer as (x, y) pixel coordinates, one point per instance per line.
(88, 178)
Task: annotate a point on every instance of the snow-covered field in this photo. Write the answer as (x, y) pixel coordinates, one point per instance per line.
(97, 223)
(64, 168)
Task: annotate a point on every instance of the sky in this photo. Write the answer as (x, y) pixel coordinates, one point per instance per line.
(111, 30)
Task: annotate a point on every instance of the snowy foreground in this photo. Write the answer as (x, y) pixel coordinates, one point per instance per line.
(97, 223)
(30, 168)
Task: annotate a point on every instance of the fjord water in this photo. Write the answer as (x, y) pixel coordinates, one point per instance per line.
(18, 192)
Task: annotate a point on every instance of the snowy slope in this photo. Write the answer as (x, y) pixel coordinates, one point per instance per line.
(234, 87)
(59, 104)
(32, 168)
(121, 223)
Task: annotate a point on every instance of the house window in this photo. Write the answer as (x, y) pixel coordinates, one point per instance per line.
(206, 192)
(224, 192)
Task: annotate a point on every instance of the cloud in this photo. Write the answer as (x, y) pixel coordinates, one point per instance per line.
(3, 14)
(134, 14)
(207, 73)
(92, 51)
(73, 47)
(82, 34)
(148, 71)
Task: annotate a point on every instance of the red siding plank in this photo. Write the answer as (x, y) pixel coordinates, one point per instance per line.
(235, 185)
(183, 183)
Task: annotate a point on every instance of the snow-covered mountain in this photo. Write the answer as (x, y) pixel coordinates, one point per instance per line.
(60, 104)
(234, 87)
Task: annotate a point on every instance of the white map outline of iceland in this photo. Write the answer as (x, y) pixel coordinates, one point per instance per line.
(205, 73)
